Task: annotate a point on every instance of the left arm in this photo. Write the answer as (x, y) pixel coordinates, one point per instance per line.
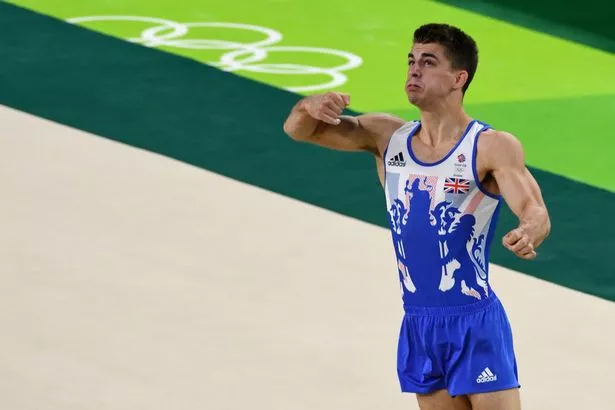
(505, 160)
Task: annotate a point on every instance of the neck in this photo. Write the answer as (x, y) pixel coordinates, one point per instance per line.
(443, 122)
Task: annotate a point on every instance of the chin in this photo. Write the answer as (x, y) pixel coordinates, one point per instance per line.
(414, 99)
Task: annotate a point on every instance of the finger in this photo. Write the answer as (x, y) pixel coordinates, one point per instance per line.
(341, 98)
(336, 102)
(331, 113)
(511, 237)
(529, 255)
(524, 251)
(522, 243)
(334, 107)
(329, 117)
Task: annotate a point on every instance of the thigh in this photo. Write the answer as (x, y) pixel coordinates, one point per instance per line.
(442, 400)
(419, 371)
(499, 400)
(485, 361)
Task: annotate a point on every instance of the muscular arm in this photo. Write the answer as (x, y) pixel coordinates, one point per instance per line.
(505, 160)
(316, 120)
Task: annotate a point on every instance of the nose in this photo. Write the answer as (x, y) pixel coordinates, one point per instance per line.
(414, 71)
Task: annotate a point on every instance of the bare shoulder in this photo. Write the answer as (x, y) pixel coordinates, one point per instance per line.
(380, 126)
(380, 121)
(499, 140)
(499, 148)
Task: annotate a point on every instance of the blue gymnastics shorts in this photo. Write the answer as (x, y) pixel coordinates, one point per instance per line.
(464, 349)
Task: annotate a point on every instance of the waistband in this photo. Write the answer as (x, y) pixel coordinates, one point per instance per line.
(473, 307)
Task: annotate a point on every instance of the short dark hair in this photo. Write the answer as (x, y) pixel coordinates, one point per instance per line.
(461, 49)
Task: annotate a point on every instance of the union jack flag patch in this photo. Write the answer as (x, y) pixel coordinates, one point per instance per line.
(456, 186)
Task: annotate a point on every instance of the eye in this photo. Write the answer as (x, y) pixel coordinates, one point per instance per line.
(429, 62)
(410, 62)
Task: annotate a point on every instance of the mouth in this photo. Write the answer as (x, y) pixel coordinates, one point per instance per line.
(412, 87)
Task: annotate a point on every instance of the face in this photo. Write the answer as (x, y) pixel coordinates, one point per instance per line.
(430, 76)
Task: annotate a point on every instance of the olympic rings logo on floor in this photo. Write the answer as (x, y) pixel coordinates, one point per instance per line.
(241, 56)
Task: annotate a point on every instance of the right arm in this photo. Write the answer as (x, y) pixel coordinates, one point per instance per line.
(316, 119)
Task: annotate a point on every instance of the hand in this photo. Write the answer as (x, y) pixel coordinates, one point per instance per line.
(518, 242)
(327, 107)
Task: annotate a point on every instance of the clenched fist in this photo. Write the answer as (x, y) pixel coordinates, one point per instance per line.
(518, 242)
(327, 107)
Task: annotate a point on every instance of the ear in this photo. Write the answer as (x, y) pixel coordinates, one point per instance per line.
(460, 79)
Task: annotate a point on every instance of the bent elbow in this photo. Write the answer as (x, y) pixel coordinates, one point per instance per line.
(288, 130)
(294, 133)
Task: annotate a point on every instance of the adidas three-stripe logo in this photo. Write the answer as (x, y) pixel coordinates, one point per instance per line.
(486, 376)
(397, 161)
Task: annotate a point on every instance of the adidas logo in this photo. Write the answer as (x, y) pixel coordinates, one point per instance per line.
(486, 376)
(397, 161)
